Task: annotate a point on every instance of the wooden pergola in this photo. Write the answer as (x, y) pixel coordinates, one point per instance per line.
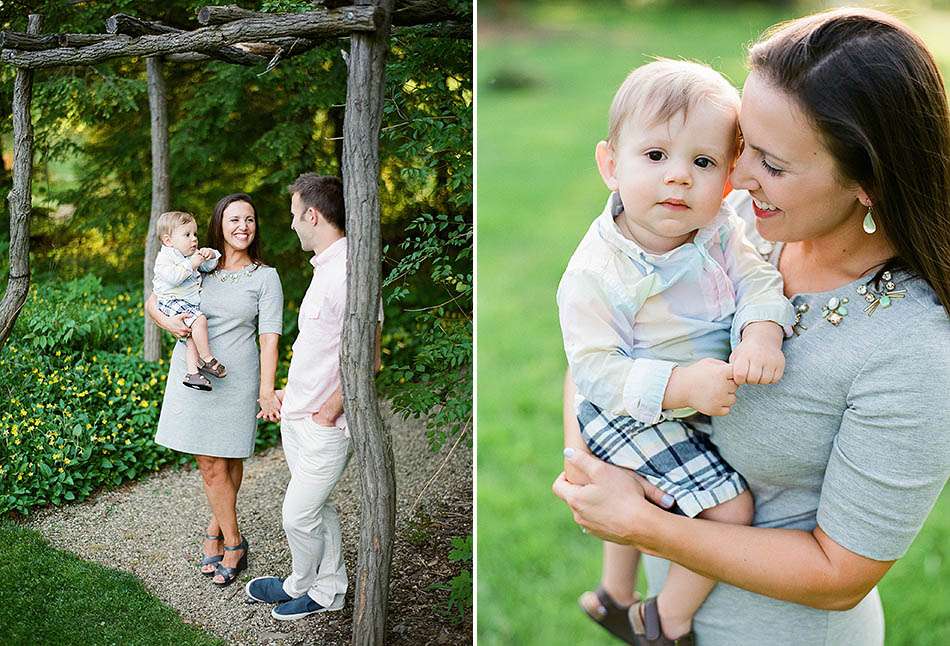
(236, 35)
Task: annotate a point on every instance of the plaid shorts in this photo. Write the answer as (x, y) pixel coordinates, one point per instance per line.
(176, 306)
(674, 455)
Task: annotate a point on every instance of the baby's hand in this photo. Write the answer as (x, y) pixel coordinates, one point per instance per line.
(206, 252)
(758, 358)
(706, 385)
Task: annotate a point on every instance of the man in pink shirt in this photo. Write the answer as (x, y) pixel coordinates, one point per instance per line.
(313, 428)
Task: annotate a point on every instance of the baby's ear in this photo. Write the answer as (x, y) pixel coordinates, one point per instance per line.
(606, 165)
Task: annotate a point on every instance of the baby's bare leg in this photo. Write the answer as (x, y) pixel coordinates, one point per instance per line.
(199, 332)
(191, 356)
(684, 590)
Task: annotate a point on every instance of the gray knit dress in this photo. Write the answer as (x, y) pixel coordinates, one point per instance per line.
(239, 306)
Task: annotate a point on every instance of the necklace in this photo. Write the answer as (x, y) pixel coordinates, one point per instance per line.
(836, 308)
(224, 276)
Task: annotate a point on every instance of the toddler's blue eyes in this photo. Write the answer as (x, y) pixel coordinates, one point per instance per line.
(704, 162)
(655, 155)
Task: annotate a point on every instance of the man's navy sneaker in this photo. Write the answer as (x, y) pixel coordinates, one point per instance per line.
(297, 609)
(267, 589)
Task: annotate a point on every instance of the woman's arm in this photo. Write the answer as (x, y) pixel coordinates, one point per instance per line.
(174, 324)
(791, 565)
(270, 404)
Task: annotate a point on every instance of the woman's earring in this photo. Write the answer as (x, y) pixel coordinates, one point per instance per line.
(869, 225)
(616, 206)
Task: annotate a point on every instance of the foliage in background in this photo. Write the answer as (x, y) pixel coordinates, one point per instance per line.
(460, 599)
(235, 129)
(81, 406)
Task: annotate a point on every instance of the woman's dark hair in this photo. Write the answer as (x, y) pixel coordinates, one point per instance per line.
(216, 231)
(876, 97)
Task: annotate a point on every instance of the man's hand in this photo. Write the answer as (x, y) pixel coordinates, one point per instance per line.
(323, 420)
(758, 358)
(706, 385)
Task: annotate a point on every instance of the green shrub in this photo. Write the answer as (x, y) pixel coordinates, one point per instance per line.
(75, 418)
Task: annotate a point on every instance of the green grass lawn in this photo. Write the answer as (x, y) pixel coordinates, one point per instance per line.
(544, 88)
(48, 596)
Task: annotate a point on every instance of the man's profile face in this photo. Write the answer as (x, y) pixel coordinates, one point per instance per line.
(299, 222)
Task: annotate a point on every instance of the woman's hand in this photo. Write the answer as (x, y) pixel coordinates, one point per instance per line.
(615, 503)
(174, 324)
(270, 406)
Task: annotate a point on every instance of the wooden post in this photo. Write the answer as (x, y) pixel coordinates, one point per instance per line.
(161, 191)
(20, 197)
(364, 102)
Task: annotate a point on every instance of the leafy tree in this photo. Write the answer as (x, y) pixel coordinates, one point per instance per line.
(236, 128)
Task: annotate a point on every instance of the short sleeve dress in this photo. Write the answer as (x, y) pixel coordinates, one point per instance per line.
(239, 305)
(855, 438)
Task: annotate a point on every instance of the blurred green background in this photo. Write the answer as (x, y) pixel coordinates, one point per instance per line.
(546, 74)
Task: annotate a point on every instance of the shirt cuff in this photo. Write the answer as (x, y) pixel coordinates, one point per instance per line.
(645, 387)
(781, 313)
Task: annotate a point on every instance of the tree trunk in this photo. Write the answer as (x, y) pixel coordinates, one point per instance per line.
(20, 197)
(157, 105)
(364, 102)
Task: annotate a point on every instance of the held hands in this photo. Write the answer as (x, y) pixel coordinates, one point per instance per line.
(270, 406)
(758, 358)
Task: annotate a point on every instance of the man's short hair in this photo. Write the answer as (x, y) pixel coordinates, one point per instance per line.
(170, 220)
(323, 193)
(658, 91)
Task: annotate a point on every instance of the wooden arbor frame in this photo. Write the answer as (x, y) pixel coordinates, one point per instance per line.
(236, 35)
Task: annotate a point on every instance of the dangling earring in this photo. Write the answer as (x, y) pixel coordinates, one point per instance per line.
(616, 206)
(869, 225)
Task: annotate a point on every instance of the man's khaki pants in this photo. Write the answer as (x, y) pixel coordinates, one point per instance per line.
(316, 456)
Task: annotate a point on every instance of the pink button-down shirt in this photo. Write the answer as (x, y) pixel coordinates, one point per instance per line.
(315, 366)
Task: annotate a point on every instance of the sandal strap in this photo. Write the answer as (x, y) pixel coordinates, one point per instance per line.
(211, 560)
(235, 548)
(214, 538)
(651, 619)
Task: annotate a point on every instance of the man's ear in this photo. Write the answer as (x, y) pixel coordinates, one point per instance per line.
(606, 165)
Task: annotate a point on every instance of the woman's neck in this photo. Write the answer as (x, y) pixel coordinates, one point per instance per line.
(836, 259)
(233, 259)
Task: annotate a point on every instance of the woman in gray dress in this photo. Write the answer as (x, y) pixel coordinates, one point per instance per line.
(243, 301)
(846, 175)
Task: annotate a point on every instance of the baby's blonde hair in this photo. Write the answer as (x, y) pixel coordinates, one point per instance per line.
(660, 90)
(168, 221)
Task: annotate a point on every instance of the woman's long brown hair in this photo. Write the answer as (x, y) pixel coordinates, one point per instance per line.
(876, 96)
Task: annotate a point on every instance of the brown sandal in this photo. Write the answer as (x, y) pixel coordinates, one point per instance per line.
(196, 381)
(214, 367)
(611, 615)
(647, 631)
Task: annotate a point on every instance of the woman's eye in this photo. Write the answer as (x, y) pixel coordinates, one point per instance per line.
(704, 162)
(655, 155)
(771, 170)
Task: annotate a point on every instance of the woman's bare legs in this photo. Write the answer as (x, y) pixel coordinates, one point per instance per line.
(619, 572)
(211, 548)
(222, 497)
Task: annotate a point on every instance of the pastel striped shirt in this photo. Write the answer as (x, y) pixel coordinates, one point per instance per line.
(629, 317)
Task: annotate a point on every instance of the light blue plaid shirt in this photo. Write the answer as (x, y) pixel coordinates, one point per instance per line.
(628, 317)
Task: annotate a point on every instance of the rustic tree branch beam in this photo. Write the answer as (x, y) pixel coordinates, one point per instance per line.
(218, 14)
(27, 42)
(21, 196)
(406, 12)
(371, 441)
(313, 24)
(128, 25)
(81, 40)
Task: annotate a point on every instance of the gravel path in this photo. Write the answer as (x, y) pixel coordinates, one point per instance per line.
(152, 529)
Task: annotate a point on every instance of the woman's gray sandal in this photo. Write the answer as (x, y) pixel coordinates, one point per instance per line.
(610, 615)
(214, 367)
(647, 631)
(210, 560)
(229, 574)
(197, 381)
